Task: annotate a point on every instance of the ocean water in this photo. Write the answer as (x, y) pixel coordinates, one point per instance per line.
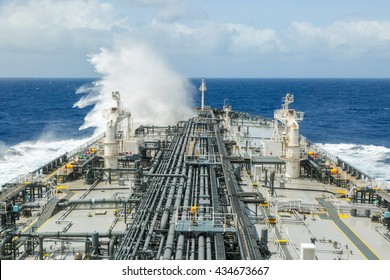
(347, 117)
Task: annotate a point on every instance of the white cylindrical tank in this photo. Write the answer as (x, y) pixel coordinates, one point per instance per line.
(110, 147)
(293, 135)
(293, 152)
(111, 144)
(292, 169)
(110, 132)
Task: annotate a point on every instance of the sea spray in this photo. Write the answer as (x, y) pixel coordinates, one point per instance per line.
(24, 157)
(21, 118)
(373, 160)
(150, 90)
(153, 93)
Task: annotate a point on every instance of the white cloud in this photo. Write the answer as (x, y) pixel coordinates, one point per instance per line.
(210, 37)
(341, 39)
(248, 38)
(47, 25)
(168, 10)
(69, 30)
(348, 40)
(174, 30)
(70, 14)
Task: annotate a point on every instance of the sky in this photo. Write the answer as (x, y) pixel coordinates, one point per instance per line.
(199, 38)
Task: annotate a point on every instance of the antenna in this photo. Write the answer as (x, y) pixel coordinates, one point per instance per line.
(288, 99)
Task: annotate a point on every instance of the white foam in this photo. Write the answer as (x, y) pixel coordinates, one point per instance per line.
(150, 90)
(373, 160)
(27, 156)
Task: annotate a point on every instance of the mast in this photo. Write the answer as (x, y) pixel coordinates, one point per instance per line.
(291, 148)
(114, 116)
(203, 88)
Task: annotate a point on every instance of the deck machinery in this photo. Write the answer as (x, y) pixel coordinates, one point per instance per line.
(191, 208)
(183, 196)
(222, 185)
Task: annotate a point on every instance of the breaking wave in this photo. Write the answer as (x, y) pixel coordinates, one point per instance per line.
(150, 90)
(373, 160)
(27, 156)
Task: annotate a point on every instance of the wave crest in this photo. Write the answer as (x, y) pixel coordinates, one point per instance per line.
(150, 90)
(373, 160)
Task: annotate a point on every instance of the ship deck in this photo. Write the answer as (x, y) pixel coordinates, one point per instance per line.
(209, 188)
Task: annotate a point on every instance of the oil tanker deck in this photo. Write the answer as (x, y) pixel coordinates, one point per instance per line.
(220, 185)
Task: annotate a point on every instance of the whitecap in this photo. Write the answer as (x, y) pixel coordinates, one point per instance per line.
(371, 159)
(25, 157)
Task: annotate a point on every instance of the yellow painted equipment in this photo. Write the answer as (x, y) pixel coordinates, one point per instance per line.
(334, 171)
(271, 220)
(193, 209)
(281, 241)
(341, 191)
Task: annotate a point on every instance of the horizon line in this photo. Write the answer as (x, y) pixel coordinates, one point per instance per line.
(205, 77)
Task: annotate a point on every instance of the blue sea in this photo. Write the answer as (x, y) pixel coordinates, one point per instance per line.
(347, 117)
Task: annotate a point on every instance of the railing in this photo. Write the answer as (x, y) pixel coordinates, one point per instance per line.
(206, 219)
(202, 159)
(374, 183)
(273, 206)
(332, 199)
(85, 145)
(32, 176)
(284, 233)
(278, 245)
